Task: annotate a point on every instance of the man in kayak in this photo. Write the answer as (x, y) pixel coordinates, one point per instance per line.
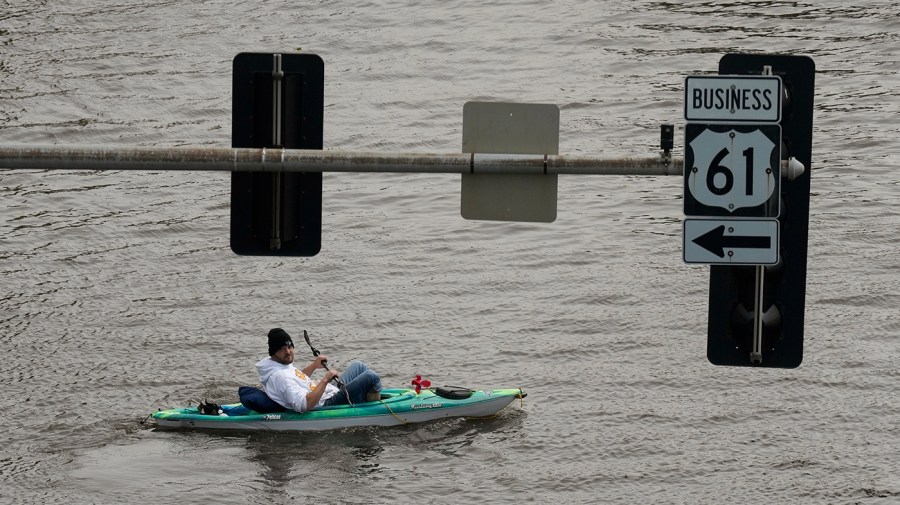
(294, 389)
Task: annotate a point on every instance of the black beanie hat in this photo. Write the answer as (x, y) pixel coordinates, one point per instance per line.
(278, 338)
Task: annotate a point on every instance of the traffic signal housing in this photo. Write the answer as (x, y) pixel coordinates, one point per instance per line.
(735, 297)
(278, 102)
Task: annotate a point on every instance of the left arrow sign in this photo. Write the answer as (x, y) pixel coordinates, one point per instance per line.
(734, 242)
(715, 241)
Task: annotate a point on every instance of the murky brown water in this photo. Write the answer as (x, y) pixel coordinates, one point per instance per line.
(120, 294)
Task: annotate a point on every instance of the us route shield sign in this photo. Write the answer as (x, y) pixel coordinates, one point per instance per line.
(732, 170)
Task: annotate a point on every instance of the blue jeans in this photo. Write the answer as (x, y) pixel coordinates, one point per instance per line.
(358, 380)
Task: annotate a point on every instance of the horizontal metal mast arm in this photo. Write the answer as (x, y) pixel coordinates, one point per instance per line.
(301, 160)
(614, 166)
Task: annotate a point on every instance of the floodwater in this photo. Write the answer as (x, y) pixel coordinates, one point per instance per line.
(120, 294)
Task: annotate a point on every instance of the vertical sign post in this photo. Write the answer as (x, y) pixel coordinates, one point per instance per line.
(278, 102)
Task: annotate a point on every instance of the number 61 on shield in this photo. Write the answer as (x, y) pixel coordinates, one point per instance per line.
(732, 170)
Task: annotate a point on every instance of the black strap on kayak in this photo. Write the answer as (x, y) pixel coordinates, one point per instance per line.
(454, 392)
(208, 408)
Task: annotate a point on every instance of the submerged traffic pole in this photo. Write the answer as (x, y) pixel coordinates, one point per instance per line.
(306, 160)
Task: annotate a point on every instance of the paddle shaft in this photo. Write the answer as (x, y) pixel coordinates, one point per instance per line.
(316, 354)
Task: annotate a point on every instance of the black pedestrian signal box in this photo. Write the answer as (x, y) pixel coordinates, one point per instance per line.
(277, 102)
(735, 296)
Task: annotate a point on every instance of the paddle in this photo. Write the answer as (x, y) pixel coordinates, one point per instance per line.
(316, 355)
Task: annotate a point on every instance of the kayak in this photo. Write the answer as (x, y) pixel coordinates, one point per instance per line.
(396, 407)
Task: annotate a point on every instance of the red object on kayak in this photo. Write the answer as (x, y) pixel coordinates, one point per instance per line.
(419, 383)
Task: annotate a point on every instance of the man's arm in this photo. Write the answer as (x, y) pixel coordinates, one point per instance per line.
(316, 364)
(312, 399)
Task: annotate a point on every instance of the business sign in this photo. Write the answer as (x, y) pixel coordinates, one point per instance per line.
(732, 99)
(732, 170)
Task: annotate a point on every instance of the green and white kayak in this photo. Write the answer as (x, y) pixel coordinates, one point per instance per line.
(397, 406)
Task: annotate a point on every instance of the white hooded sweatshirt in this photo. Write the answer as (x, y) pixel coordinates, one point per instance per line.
(288, 386)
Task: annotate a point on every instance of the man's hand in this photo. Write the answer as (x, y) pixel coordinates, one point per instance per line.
(330, 375)
(318, 362)
(312, 399)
